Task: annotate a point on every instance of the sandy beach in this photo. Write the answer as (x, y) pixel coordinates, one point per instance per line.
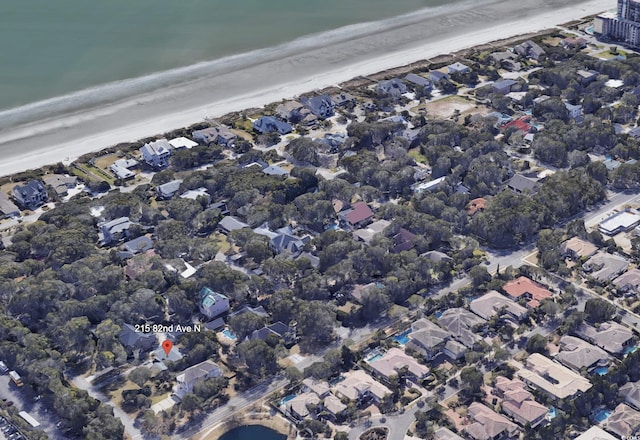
(44, 134)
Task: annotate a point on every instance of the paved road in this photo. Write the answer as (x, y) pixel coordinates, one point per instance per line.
(129, 423)
(235, 405)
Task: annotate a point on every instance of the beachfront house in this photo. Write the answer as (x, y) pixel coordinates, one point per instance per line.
(391, 87)
(419, 82)
(156, 154)
(215, 135)
(321, 106)
(31, 195)
(269, 124)
(7, 207)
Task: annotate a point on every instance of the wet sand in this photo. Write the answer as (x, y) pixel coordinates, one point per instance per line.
(40, 135)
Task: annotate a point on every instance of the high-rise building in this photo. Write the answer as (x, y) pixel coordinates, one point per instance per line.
(623, 26)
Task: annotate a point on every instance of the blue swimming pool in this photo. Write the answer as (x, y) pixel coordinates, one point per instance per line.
(229, 334)
(285, 399)
(403, 337)
(630, 349)
(374, 358)
(439, 313)
(601, 371)
(553, 413)
(601, 415)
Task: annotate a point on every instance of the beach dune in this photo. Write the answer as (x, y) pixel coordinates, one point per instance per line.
(65, 128)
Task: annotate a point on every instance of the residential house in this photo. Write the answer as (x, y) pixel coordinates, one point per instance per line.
(320, 106)
(134, 340)
(595, 433)
(7, 207)
(628, 282)
(358, 386)
(391, 87)
(630, 391)
(555, 380)
(212, 304)
(61, 184)
(622, 221)
(518, 403)
(290, 111)
(427, 338)
(457, 68)
(343, 99)
(493, 303)
(113, 230)
(576, 248)
(504, 86)
(476, 205)
(31, 195)
(156, 154)
(368, 233)
(358, 216)
(529, 49)
(168, 190)
(334, 407)
(217, 134)
(269, 124)
(121, 168)
(302, 405)
(585, 77)
(288, 242)
(403, 241)
(523, 288)
(624, 421)
(488, 425)
(195, 194)
(278, 330)
(604, 267)
(575, 111)
(319, 387)
(437, 256)
(610, 336)
(419, 81)
(139, 264)
(436, 76)
(231, 223)
(137, 246)
(520, 184)
(275, 170)
(443, 433)
(204, 370)
(506, 60)
(428, 186)
(573, 43)
(395, 360)
(257, 311)
(182, 143)
(578, 354)
(460, 324)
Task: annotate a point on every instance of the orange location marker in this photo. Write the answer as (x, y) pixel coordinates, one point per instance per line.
(166, 346)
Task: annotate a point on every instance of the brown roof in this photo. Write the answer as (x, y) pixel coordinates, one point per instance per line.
(488, 424)
(359, 212)
(579, 247)
(623, 421)
(524, 287)
(476, 205)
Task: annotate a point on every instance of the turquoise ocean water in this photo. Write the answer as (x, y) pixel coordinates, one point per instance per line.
(52, 48)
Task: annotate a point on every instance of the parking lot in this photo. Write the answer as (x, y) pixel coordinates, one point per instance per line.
(9, 431)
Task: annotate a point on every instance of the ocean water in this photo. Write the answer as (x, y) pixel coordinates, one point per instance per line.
(53, 48)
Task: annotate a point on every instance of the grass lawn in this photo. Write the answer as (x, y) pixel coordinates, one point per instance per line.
(417, 156)
(104, 162)
(116, 395)
(221, 241)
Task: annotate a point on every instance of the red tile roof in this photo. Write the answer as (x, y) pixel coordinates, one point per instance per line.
(359, 212)
(521, 124)
(524, 287)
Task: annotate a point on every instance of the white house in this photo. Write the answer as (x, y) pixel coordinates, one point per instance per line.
(186, 379)
(212, 304)
(156, 153)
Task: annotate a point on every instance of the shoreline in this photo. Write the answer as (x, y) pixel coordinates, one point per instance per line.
(276, 423)
(68, 136)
